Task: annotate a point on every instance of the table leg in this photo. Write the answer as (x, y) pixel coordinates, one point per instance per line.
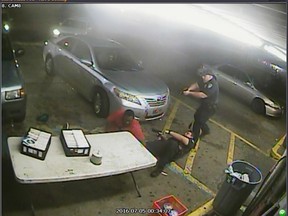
(28, 190)
(32, 208)
(135, 184)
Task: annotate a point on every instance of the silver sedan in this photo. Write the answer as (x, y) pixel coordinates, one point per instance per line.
(105, 74)
(237, 83)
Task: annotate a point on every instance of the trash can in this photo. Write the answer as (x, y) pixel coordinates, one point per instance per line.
(241, 178)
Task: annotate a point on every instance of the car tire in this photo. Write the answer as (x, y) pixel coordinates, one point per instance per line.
(258, 106)
(101, 103)
(49, 66)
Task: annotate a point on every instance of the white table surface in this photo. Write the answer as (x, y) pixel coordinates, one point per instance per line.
(121, 153)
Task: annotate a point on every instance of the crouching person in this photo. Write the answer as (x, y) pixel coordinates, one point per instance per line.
(167, 150)
(124, 120)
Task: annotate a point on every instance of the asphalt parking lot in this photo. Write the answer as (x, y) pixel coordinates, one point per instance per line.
(237, 133)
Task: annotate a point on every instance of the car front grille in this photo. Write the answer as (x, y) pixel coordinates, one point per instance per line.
(157, 101)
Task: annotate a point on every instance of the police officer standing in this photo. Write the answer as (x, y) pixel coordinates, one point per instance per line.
(207, 90)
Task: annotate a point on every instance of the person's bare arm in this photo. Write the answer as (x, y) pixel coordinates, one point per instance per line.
(197, 94)
(193, 87)
(193, 90)
(178, 136)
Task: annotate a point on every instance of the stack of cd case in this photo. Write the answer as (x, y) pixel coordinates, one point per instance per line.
(74, 142)
(36, 143)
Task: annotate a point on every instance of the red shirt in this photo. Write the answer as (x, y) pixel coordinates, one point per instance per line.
(115, 123)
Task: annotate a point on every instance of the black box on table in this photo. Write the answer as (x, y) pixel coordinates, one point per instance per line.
(36, 143)
(74, 142)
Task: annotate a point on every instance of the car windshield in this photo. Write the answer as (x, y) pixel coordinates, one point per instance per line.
(7, 54)
(236, 73)
(112, 58)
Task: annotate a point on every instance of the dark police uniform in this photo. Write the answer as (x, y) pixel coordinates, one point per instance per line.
(168, 150)
(207, 106)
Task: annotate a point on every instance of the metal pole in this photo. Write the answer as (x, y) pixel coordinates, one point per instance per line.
(135, 184)
(271, 190)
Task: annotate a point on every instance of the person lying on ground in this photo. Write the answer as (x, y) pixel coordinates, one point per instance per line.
(167, 150)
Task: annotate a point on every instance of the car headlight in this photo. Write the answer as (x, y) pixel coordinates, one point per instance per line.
(6, 27)
(56, 32)
(126, 96)
(15, 94)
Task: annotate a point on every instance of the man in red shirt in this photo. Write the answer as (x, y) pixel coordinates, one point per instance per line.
(122, 120)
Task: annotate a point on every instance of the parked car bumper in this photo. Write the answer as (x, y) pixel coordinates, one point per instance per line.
(148, 114)
(151, 113)
(15, 109)
(144, 112)
(270, 111)
(150, 107)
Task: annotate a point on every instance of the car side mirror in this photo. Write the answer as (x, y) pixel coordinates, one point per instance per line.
(19, 52)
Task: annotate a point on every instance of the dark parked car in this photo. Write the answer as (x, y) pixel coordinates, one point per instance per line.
(104, 72)
(239, 84)
(13, 95)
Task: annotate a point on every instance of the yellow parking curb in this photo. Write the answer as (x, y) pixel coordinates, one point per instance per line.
(171, 117)
(231, 149)
(274, 151)
(274, 154)
(202, 210)
(190, 178)
(190, 159)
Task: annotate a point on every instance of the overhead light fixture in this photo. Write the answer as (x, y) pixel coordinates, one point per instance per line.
(231, 26)
(198, 15)
(276, 52)
(56, 32)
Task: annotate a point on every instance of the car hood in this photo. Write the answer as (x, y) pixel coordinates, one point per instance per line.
(137, 82)
(11, 78)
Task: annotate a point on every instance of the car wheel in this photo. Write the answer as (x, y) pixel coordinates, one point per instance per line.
(101, 103)
(258, 106)
(49, 66)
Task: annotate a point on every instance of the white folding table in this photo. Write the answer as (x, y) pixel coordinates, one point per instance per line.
(121, 153)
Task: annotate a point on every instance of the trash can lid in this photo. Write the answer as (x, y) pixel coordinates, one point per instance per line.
(244, 171)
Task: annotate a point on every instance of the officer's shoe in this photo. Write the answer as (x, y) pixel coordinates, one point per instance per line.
(156, 172)
(204, 133)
